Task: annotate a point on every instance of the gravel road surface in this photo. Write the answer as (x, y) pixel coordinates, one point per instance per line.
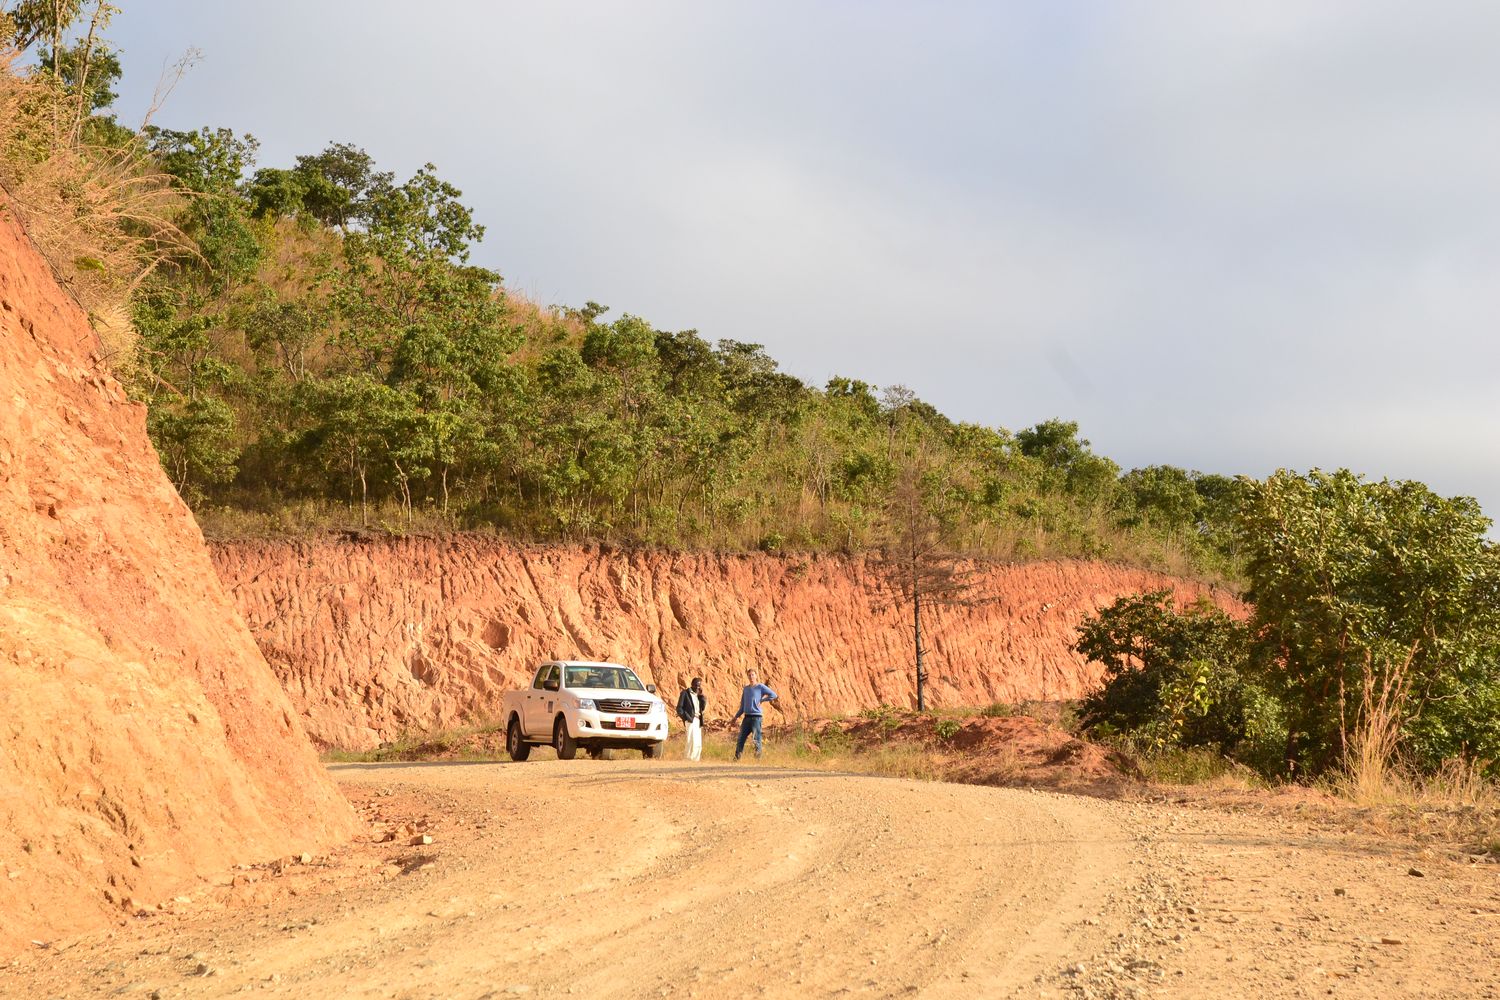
(641, 879)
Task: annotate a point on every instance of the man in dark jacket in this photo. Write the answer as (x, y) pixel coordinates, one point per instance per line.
(690, 705)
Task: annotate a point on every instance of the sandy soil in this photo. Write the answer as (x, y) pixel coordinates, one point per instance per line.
(631, 879)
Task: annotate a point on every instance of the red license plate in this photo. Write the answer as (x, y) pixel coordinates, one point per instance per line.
(624, 722)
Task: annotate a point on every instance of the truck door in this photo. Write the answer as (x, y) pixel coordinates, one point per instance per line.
(538, 720)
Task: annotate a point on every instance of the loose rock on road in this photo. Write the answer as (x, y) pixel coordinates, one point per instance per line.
(631, 879)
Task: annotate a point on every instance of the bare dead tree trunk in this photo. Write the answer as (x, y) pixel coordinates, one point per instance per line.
(100, 15)
(916, 628)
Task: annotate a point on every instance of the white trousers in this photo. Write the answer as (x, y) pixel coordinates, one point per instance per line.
(695, 740)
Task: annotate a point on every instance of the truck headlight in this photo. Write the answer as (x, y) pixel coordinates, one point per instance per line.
(586, 703)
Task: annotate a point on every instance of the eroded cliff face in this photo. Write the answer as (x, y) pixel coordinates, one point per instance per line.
(374, 639)
(143, 740)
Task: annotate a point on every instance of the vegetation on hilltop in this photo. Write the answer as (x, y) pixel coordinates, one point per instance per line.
(329, 356)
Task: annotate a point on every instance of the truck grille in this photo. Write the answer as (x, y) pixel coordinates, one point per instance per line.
(624, 705)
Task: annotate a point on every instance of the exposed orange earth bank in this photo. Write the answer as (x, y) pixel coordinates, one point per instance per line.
(143, 741)
(378, 638)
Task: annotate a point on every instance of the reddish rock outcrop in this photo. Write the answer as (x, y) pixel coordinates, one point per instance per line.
(143, 741)
(378, 638)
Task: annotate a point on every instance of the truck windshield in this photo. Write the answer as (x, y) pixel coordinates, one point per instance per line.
(617, 678)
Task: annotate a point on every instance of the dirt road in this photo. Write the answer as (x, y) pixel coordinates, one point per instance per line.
(636, 879)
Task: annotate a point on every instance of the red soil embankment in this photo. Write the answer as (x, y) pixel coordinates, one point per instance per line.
(143, 741)
(378, 638)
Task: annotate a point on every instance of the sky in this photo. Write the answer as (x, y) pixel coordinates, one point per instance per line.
(1229, 237)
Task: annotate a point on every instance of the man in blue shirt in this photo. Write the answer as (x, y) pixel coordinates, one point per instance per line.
(754, 695)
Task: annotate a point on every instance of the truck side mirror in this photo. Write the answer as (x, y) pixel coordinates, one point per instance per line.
(551, 685)
(651, 688)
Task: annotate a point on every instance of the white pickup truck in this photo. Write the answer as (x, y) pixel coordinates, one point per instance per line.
(580, 703)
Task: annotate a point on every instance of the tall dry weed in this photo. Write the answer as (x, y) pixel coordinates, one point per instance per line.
(1457, 803)
(1372, 772)
(99, 214)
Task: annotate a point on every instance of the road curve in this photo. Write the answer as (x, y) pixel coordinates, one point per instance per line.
(639, 879)
(624, 879)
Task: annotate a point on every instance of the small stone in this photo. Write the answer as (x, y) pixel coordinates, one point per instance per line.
(1341, 891)
(1391, 940)
(204, 969)
(421, 841)
(305, 858)
(1416, 873)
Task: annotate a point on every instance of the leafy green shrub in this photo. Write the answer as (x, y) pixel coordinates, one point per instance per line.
(835, 740)
(888, 716)
(1175, 679)
(1191, 766)
(946, 729)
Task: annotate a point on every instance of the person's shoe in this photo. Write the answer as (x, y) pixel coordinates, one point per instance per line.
(736, 757)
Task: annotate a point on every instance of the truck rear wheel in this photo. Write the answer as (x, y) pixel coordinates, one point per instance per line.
(517, 747)
(567, 747)
(652, 751)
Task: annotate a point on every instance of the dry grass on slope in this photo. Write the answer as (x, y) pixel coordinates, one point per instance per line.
(99, 216)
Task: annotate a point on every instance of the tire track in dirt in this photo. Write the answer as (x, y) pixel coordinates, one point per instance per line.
(620, 879)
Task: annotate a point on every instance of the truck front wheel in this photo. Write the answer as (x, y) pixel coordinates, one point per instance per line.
(517, 747)
(652, 751)
(567, 747)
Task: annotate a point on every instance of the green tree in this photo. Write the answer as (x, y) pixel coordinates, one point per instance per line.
(195, 438)
(410, 306)
(357, 424)
(340, 185)
(1352, 579)
(211, 163)
(43, 20)
(1172, 678)
(1070, 465)
(275, 192)
(88, 70)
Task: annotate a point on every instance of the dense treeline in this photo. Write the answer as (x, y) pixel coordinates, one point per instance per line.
(327, 355)
(334, 346)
